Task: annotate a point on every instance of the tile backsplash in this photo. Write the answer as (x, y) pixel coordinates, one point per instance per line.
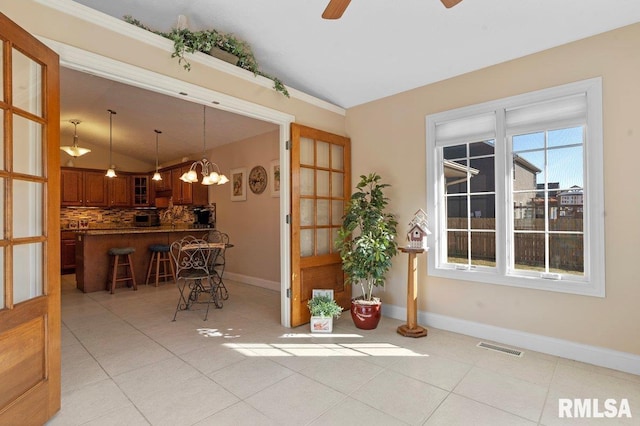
(72, 217)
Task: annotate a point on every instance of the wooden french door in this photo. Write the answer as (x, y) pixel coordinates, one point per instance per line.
(29, 228)
(320, 188)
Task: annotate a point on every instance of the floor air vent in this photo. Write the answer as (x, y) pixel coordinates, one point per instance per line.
(508, 351)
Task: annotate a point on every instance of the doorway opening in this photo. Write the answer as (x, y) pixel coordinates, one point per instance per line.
(97, 65)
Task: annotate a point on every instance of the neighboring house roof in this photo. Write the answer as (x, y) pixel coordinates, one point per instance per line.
(524, 163)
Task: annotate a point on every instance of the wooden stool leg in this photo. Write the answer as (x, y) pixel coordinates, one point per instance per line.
(114, 274)
(173, 270)
(153, 256)
(158, 259)
(109, 273)
(133, 276)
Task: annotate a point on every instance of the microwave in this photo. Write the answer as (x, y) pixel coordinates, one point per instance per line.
(146, 219)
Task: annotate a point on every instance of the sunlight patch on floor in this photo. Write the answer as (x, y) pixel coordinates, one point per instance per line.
(214, 332)
(321, 349)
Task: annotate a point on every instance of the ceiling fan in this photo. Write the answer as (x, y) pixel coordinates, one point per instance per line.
(336, 8)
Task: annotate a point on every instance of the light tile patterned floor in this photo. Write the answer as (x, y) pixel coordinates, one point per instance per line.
(124, 362)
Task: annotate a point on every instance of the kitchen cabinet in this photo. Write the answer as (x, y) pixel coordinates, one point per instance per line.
(187, 193)
(165, 183)
(199, 194)
(91, 188)
(119, 191)
(83, 188)
(72, 187)
(96, 191)
(141, 196)
(180, 191)
(67, 252)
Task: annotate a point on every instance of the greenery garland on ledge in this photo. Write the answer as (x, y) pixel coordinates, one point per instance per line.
(185, 40)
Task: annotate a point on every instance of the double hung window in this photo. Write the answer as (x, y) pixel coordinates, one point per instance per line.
(515, 191)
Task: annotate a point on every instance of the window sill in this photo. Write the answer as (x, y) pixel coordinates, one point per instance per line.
(486, 276)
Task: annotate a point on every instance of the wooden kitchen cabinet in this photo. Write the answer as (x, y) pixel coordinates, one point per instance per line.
(72, 187)
(91, 188)
(119, 191)
(83, 188)
(141, 195)
(165, 183)
(67, 252)
(199, 194)
(180, 191)
(188, 193)
(96, 191)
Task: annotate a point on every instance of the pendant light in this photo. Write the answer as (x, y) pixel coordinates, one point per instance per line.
(111, 171)
(74, 150)
(210, 171)
(156, 175)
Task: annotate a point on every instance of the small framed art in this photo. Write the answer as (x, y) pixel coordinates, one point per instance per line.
(239, 184)
(274, 178)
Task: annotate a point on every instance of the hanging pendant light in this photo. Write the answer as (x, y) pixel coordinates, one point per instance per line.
(156, 175)
(210, 171)
(111, 171)
(74, 150)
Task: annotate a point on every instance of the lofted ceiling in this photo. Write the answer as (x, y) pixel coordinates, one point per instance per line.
(139, 112)
(378, 48)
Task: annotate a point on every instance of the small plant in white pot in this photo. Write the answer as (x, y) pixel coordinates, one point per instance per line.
(323, 310)
(367, 244)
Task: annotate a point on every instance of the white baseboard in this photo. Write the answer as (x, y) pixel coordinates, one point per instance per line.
(258, 282)
(622, 361)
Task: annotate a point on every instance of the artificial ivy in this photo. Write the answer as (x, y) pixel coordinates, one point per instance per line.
(185, 40)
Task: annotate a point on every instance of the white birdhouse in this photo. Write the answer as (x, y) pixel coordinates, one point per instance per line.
(418, 230)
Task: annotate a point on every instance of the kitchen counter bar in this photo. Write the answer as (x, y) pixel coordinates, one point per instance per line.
(140, 230)
(92, 246)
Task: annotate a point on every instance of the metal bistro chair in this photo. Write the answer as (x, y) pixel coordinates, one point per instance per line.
(194, 259)
(216, 236)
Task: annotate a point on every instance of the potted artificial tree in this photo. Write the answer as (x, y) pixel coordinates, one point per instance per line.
(367, 243)
(323, 310)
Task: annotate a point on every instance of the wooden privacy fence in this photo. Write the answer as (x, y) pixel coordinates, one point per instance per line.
(566, 250)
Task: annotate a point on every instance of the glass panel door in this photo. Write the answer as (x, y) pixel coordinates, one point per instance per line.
(29, 227)
(319, 185)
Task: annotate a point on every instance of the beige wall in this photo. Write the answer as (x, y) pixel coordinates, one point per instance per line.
(252, 225)
(388, 136)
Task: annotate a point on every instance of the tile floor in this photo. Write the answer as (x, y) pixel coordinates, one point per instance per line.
(124, 362)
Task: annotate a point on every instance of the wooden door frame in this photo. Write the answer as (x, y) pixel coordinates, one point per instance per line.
(81, 60)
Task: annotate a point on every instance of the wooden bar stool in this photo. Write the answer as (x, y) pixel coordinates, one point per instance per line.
(126, 262)
(160, 257)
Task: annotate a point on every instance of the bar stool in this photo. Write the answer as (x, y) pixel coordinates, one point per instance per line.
(126, 262)
(160, 256)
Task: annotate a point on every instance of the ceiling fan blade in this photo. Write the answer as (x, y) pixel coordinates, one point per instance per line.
(335, 9)
(450, 3)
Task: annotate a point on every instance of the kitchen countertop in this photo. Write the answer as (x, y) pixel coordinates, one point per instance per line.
(137, 230)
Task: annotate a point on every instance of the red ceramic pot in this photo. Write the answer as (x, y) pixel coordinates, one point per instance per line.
(366, 316)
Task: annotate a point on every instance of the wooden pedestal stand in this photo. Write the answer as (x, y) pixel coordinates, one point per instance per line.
(411, 328)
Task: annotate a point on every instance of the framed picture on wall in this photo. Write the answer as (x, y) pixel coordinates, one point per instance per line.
(239, 184)
(274, 178)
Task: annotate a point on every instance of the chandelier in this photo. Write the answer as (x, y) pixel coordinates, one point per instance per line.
(74, 150)
(210, 171)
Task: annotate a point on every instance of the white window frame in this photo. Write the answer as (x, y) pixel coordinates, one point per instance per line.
(593, 281)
